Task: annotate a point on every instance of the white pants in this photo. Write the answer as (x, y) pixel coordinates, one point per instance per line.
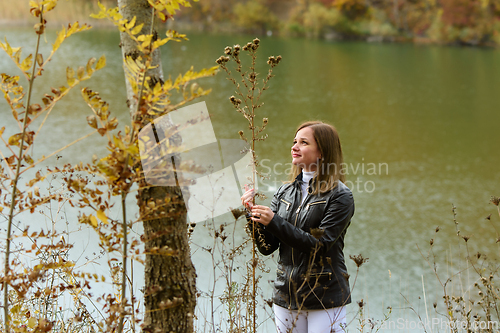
(310, 321)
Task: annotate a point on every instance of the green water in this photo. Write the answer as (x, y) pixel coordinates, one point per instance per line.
(418, 124)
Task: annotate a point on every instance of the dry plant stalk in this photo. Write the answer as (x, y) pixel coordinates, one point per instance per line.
(468, 301)
(17, 164)
(249, 90)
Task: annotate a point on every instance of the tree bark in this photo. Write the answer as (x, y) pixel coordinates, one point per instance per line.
(170, 278)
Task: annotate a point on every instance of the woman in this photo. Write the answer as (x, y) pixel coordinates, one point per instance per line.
(307, 222)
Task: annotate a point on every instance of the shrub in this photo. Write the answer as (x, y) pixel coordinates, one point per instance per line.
(318, 18)
(253, 16)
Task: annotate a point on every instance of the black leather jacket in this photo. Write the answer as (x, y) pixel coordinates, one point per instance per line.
(311, 271)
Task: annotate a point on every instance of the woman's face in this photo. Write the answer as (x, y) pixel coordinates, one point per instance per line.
(305, 151)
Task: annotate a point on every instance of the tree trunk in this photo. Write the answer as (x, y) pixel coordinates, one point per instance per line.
(170, 278)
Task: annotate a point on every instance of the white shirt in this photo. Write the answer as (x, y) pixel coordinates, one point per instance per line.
(306, 177)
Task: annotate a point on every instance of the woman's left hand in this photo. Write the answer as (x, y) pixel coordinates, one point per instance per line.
(262, 214)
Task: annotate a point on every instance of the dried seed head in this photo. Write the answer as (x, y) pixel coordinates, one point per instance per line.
(273, 61)
(235, 101)
(256, 41)
(488, 217)
(361, 303)
(495, 200)
(431, 241)
(237, 213)
(236, 50)
(466, 238)
(317, 232)
(437, 228)
(222, 60)
(265, 120)
(359, 259)
(227, 50)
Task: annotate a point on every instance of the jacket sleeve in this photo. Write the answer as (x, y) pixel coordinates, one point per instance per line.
(266, 242)
(336, 219)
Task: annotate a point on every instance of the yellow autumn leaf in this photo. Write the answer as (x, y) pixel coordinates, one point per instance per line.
(160, 42)
(130, 24)
(70, 76)
(100, 63)
(157, 89)
(32, 322)
(137, 29)
(93, 221)
(119, 143)
(80, 72)
(132, 150)
(162, 16)
(101, 14)
(49, 5)
(102, 216)
(60, 38)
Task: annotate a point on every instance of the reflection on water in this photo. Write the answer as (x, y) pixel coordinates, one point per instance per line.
(428, 113)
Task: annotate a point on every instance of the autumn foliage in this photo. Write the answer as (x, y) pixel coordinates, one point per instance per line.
(473, 22)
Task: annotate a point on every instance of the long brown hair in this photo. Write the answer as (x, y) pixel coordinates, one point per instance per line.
(330, 166)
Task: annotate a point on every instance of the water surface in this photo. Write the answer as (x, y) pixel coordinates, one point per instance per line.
(418, 124)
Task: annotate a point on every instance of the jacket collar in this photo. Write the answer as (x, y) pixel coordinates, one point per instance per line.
(298, 181)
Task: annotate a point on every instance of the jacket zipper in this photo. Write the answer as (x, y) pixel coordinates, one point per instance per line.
(317, 275)
(314, 203)
(293, 261)
(287, 203)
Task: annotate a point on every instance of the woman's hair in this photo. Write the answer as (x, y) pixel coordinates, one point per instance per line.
(330, 166)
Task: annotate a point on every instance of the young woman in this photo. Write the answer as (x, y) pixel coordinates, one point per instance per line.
(307, 222)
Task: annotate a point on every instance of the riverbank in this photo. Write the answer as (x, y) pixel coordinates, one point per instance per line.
(450, 22)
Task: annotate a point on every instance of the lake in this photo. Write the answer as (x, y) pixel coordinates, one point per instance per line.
(418, 125)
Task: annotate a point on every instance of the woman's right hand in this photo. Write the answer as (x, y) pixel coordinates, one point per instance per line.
(247, 197)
